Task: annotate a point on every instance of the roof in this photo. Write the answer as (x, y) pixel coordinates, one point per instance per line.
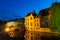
(44, 12)
(33, 13)
(19, 19)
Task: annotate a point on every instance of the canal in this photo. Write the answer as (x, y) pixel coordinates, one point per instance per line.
(31, 35)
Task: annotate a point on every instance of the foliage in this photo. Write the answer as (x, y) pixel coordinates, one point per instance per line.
(55, 17)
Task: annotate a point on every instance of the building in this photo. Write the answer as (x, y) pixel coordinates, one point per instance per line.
(44, 16)
(14, 28)
(32, 22)
(40, 22)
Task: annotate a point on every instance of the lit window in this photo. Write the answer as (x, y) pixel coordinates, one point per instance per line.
(31, 33)
(31, 28)
(37, 20)
(31, 18)
(28, 27)
(35, 24)
(46, 23)
(31, 23)
(28, 23)
(28, 32)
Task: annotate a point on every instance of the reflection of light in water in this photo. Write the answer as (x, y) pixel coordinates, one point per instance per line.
(11, 34)
(35, 35)
(29, 35)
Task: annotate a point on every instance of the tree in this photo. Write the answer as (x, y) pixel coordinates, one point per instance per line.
(55, 17)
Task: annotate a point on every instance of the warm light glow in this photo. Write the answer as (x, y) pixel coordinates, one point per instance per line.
(7, 29)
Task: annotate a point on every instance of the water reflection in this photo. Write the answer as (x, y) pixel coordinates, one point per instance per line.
(29, 35)
(33, 35)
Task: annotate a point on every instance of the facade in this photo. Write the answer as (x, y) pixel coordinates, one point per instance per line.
(44, 16)
(32, 22)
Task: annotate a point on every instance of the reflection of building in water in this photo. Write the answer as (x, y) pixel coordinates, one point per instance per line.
(35, 35)
(15, 28)
(32, 35)
(29, 35)
(37, 24)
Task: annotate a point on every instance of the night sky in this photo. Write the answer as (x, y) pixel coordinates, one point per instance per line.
(12, 9)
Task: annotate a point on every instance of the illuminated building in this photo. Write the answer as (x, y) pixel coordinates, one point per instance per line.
(40, 22)
(15, 28)
(32, 22)
(37, 25)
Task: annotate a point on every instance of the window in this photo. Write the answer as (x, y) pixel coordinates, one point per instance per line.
(42, 24)
(31, 23)
(31, 33)
(18, 24)
(16, 30)
(31, 28)
(28, 27)
(28, 37)
(28, 32)
(35, 24)
(31, 18)
(37, 20)
(28, 23)
(47, 24)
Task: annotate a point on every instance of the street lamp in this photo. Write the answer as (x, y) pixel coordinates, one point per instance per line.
(7, 29)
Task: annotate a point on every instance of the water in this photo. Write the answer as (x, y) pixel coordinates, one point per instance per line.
(31, 35)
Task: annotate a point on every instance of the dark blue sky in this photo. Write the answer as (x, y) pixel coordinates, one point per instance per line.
(10, 9)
